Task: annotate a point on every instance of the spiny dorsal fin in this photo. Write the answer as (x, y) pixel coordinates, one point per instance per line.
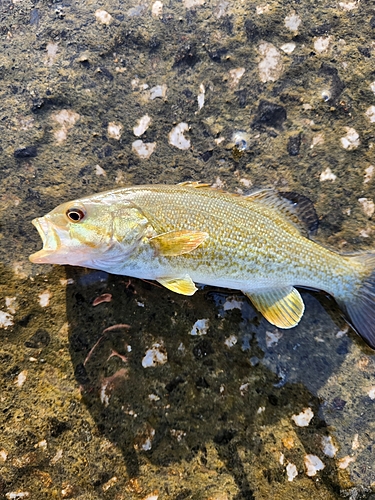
(176, 243)
(184, 286)
(298, 209)
(282, 307)
(194, 184)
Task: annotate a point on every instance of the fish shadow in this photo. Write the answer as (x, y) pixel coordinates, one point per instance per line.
(202, 390)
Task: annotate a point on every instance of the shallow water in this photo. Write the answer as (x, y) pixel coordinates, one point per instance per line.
(275, 94)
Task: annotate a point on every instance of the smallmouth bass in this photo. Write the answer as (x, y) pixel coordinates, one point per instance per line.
(190, 233)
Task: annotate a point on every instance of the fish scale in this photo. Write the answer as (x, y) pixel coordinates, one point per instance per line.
(186, 234)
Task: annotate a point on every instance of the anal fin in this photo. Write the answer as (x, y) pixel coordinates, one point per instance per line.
(184, 285)
(282, 307)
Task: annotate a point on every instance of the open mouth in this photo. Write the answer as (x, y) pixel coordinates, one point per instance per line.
(50, 239)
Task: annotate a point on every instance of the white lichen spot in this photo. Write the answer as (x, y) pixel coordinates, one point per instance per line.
(351, 139)
(143, 149)
(288, 48)
(328, 448)
(200, 327)
(372, 86)
(272, 338)
(349, 5)
(232, 303)
(235, 76)
(100, 171)
(42, 444)
(151, 497)
(6, 319)
(344, 462)
(114, 130)
(51, 53)
(371, 393)
(221, 9)
(291, 471)
(317, 140)
(261, 410)
(303, 419)
(158, 91)
(231, 341)
(271, 66)
(344, 331)
(367, 206)
(142, 125)
(3, 455)
(177, 138)
(103, 17)
(11, 304)
(21, 378)
(201, 95)
(292, 22)
(157, 9)
(355, 443)
(365, 233)
(246, 182)
(313, 464)
(327, 175)
(307, 107)
(193, 3)
(321, 44)
(156, 355)
(370, 113)
(44, 298)
(281, 459)
(369, 172)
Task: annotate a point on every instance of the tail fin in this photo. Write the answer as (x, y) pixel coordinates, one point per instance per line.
(360, 308)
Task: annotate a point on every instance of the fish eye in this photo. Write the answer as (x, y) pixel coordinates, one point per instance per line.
(75, 214)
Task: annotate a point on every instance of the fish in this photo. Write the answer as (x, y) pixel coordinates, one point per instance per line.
(185, 234)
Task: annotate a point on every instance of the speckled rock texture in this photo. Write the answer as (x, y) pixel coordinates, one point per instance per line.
(118, 389)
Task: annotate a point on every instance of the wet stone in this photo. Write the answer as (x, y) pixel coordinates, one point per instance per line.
(41, 338)
(27, 152)
(202, 349)
(269, 114)
(294, 145)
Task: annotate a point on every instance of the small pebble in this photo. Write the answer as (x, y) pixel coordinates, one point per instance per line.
(271, 66)
(367, 206)
(371, 393)
(156, 355)
(288, 48)
(369, 172)
(345, 461)
(235, 76)
(177, 138)
(157, 9)
(100, 171)
(106, 297)
(321, 44)
(158, 91)
(351, 140)
(103, 17)
(291, 471)
(200, 327)
(231, 341)
(313, 464)
(193, 3)
(44, 298)
(327, 175)
(143, 149)
(328, 448)
(142, 125)
(292, 22)
(109, 483)
(21, 378)
(115, 130)
(6, 319)
(304, 418)
(201, 96)
(355, 443)
(370, 113)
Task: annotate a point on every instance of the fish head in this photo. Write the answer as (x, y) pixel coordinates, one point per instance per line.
(87, 232)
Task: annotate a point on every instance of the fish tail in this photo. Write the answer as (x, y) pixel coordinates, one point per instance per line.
(360, 306)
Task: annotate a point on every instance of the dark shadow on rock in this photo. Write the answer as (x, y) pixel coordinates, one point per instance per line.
(206, 392)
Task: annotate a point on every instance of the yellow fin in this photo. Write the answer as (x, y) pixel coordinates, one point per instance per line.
(282, 307)
(184, 286)
(176, 243)
(194, 184)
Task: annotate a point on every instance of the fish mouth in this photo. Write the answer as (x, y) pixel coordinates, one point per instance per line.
(50, 239)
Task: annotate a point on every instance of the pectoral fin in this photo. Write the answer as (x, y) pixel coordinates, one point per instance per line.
(282, 307)
(176, 243)
(184, 286)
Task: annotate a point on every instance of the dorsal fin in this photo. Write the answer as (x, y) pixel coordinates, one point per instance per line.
(296, 208)
(194, 184)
